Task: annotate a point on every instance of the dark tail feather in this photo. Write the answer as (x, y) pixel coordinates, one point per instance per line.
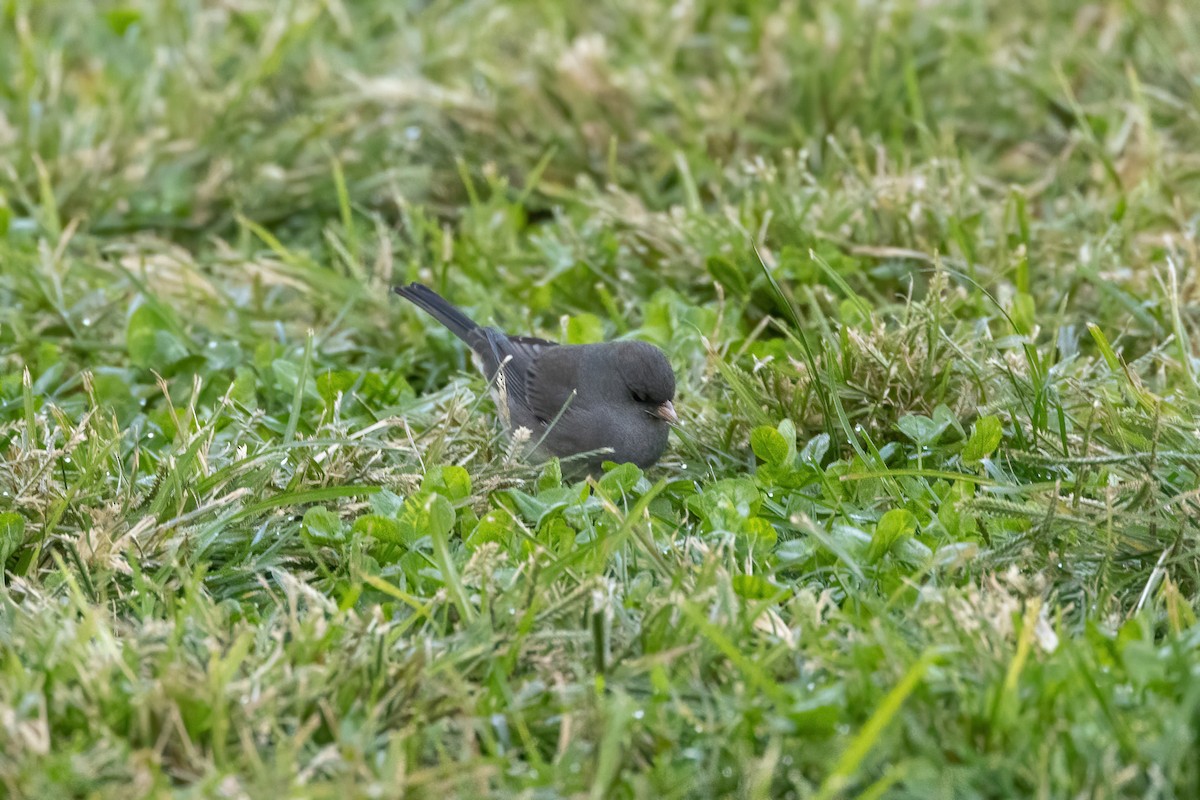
(439, 308)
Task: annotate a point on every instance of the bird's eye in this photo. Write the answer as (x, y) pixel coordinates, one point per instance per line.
(639, 397)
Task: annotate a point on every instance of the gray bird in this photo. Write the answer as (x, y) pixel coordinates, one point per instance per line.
(599, 402)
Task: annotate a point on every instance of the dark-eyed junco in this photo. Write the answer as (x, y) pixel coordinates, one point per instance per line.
(600, 402)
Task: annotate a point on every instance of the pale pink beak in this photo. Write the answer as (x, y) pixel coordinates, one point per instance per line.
(667, 412)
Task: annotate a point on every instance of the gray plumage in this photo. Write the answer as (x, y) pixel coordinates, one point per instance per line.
(610, 401)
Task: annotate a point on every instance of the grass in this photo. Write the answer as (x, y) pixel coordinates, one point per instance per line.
(928, 276)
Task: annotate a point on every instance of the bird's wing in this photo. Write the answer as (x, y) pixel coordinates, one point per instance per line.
(508, 361)
(552, 381)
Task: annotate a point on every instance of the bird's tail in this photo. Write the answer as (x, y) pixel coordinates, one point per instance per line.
(439, 308)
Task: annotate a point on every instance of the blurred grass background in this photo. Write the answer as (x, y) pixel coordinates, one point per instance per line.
(927, 271)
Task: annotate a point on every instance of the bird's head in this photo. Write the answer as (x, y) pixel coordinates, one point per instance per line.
(649, 379)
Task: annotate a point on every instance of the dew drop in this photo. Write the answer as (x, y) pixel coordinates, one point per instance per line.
(727, 772)
(638, 713)
(67, 460)
(412, 133)
(87, 322)
(150, 435)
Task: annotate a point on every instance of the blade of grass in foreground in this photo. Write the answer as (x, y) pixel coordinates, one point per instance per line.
(861, 745)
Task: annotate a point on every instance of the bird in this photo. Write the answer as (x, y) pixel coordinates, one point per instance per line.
(583, 403)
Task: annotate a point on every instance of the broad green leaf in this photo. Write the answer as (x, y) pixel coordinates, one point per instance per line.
(818, 714)
(113, 391)
(923, 430)
(151, 340)
(441, 515)
(761, 532)
(452, 481)
(532, 508)
(495, 526)
(245, 387)
(585, 329)
(1023, 313)
(727, 504)
(12, 535)
(958, 525)
(985, 438)
(377, 526)
(894, 526)
(287, 375)
(331, 382)
(620, 479)
(387, 503)
(322, 527)
(725, 272)
(753, 587)
(769, 445)
(815, 450)
(551, 477)
(122, 18)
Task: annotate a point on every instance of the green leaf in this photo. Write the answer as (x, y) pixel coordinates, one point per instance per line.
(151, 340)
(245, 387)
(985, 438)
(551, 477)
(377, 526)
(958, 525)
(893, 527)
(818, 713)
(585, 329)
(441, 515)
(288, 375)
(322, 527)
(113, 391)
(495, 526)
(12, 535)
(761, 532)
(120, 19)
(923, 430)
(815, 450)
(725, 272)
(727, 504)
(754, 587)
(331, 383)
(1023, 313)
(452, 481)
(387, 503)
(620, 479)
(532, 508)
(769, 445)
